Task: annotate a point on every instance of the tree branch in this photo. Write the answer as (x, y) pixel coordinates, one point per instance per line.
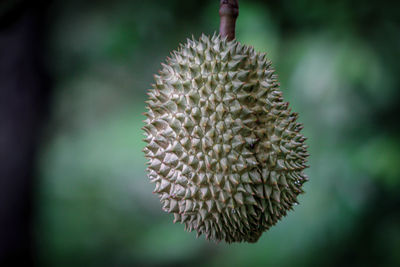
(228, 12)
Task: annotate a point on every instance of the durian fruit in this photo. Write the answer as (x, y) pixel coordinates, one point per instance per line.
(224, 149)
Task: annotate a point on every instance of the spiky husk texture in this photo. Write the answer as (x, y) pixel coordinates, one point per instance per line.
(224, 149)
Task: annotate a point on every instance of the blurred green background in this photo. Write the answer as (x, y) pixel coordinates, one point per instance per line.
(337, 63)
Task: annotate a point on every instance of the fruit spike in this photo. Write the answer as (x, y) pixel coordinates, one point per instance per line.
(224, 150)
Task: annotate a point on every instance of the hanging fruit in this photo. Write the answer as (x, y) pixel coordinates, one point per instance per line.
(225, 151)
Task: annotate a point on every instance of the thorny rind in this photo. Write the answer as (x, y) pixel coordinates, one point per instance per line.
(225, 151)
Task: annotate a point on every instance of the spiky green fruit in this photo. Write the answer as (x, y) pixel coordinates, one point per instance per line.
(224, 149)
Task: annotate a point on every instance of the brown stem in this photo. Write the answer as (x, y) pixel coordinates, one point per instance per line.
(228, 12)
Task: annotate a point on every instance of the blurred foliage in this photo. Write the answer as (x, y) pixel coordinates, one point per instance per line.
(338, 67)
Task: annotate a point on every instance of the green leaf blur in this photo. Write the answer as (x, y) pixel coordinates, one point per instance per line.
(337, 63)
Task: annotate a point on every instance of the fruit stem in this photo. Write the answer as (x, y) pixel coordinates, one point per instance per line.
(228, 12)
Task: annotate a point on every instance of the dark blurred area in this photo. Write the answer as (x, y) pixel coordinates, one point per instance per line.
(24, 93)
(73, 78)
